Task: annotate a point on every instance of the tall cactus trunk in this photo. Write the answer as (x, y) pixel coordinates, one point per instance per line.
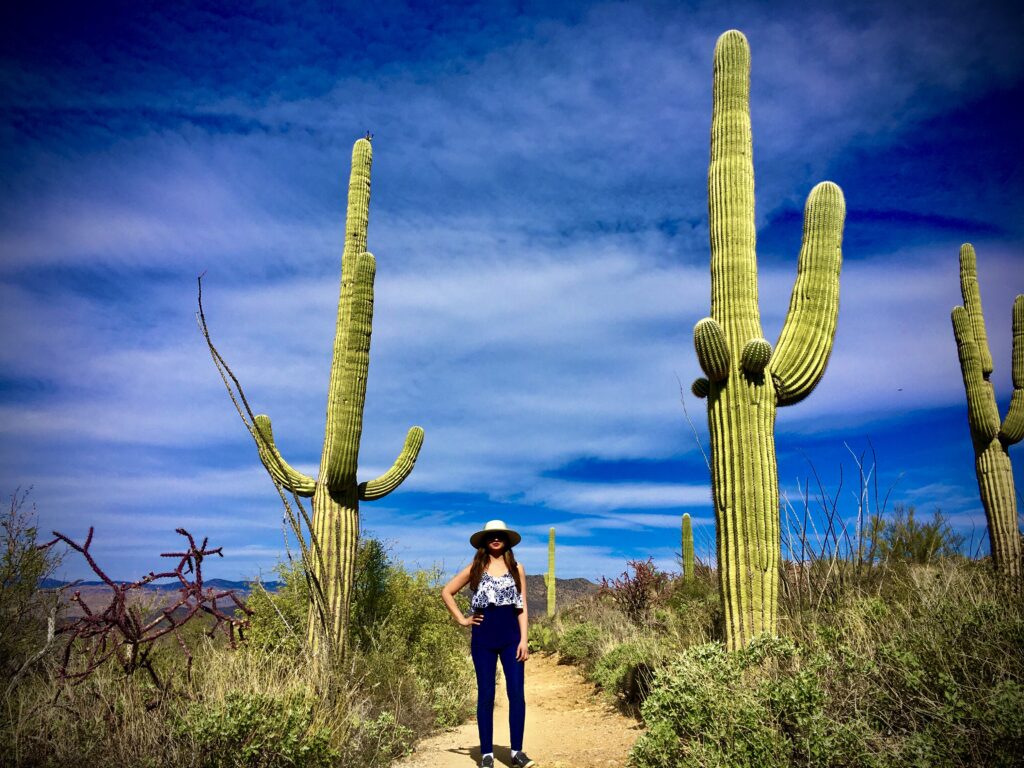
(995, 482)
(336, 531)
(336, 493)
(991, 436)
(741, 416)
(746, 379)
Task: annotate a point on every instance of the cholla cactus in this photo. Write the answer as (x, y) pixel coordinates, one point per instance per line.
(746, 379)
(336, 493)
(990, 437)
(549, 577)
(687, 549)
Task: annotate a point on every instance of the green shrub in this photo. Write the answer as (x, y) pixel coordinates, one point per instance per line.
(413, 650)
(626, 670)
(382, 739)
(903, 537)
(701, 711)
(279, 619)
(929, 674)
(24, 607)
(256, 731)
(581, 644)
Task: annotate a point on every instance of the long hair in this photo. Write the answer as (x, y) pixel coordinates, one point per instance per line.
(480, 561)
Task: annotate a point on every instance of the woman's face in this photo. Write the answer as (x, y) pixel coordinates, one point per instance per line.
(495, 543)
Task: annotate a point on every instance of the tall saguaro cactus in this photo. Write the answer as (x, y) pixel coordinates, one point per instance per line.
(336, 493)
(549, 577)
(687, 550)
(991, 438)
(746, 380)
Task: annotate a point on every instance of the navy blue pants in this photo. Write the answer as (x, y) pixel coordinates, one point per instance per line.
(498, 635)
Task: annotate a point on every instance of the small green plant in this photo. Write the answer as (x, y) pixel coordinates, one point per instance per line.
(541, 637)
(626, 670)
(257, 731)
(384, 738)
(903, 537)
(581, 644)
(25, 609)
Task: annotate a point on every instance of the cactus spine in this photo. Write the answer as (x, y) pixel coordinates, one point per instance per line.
(687, 549)
(549, 577)
(746, 380)
(336, 493)
(991, 438)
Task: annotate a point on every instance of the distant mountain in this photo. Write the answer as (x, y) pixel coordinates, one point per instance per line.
(568, 591)
(168, 585)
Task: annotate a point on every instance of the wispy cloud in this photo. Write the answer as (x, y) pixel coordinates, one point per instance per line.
(539, 215)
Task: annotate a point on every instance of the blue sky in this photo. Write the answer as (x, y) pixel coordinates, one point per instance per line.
(539, 217)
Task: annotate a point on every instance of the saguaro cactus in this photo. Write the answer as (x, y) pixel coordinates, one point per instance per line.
(746, 380)
(991, 437)
(549, 577)
(687, 550)
(336, 493)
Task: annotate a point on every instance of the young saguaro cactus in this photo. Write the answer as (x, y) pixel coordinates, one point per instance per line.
(549, 577)
(746, 380)
(687, 550)
(991, 438)
(336, 493)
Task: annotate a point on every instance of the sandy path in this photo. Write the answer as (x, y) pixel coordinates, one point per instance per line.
(568, 725)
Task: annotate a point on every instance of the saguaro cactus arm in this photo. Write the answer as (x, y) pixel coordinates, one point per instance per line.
(805, 343)
(279, 469)
(380, 487)
(1013, 426)
(712, 349)
(981, 412)
(972, 303)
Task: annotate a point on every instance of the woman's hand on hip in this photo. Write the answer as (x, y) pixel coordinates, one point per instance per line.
(522, 651)
(473, 620)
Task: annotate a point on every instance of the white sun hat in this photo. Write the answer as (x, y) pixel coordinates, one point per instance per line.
(492, 526)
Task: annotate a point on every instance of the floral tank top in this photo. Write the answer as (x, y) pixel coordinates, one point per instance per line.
(496, 591)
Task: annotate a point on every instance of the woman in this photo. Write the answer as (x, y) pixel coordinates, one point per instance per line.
(499, 630)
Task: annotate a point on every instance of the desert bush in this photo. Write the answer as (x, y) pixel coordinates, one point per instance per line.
(626, 671)
(416, 655)
(636, 594)
(581, 644)
(257, 731)
(542, 636)
(25, 608)
(280, 618)
(406, 674)
(903, 537)
(933, 678)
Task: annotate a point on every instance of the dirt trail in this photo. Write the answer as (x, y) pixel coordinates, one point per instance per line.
(568, 725)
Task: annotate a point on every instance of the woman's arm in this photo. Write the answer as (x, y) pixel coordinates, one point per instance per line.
(523, 650)
(458, 581)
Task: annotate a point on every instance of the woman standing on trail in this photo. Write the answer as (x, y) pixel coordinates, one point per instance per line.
(499, 629)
